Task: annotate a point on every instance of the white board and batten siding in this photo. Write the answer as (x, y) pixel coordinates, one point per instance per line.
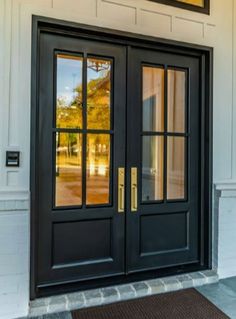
(139, 16)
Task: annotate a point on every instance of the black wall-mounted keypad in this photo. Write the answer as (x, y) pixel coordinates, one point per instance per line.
(12, 159)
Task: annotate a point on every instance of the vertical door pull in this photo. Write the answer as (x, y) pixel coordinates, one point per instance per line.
(134, 189)
(121, 190)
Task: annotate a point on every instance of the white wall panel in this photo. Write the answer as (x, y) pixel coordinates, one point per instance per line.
(210, 32)
(156, 20)
(81, 7)
(44, 3)
(188, 29)
(6, 11)
(223, 102)
(12, 178)
(117, 12)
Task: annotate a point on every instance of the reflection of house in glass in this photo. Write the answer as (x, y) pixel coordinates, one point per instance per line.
(70, 144)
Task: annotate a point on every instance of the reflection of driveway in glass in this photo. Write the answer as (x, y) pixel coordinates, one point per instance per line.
(98, 189)
(69, 187)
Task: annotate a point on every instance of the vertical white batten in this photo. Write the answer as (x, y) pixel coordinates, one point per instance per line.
(234, 95)
(2, 80)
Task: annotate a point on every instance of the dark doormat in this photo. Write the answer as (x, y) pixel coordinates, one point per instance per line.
(189, 304)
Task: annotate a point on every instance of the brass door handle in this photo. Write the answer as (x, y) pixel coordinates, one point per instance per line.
(121, 190)
(134, 189)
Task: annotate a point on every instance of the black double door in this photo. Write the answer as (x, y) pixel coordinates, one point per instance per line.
(118, 160)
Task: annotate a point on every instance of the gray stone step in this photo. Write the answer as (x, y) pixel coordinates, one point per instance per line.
(102, 296)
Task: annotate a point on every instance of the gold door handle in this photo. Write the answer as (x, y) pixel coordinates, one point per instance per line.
(121, 190)
(134, 189)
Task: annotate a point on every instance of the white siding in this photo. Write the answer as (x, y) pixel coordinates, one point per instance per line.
(139, 16)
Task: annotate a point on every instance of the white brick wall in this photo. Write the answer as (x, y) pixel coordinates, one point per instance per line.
(14, 259)
(227, 237)
(139, 16)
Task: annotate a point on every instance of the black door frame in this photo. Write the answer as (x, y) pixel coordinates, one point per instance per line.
(205, 55)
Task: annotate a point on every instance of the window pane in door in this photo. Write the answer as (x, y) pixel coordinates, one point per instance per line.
(199, 3)
(176, 101)
(98, 169)
(68, 172)
(152, 168)
(69, 91)
(176, 167)
(98, 94)
(153, 99)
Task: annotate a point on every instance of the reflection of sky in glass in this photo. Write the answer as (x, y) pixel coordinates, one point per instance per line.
(69, 76)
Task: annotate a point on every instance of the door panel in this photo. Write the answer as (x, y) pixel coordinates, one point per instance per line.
(163, 144)
(82, 98)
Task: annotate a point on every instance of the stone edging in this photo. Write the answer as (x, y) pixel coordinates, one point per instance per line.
(96, 297)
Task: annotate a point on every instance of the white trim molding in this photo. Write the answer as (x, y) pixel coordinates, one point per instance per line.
(14, 195)
(226, 187)
(14, 201)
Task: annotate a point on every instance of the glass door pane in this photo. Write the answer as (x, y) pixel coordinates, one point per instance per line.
(176, 101)
(175, 168)
(177, 134)
(98, 93)
(99, 106)
(98, 169)
(69, 91)
(152, 172)
(199, 3)
(153, 133)
(153, 99)
(68, 169)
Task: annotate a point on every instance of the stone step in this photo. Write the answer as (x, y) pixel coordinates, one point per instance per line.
(102, 296)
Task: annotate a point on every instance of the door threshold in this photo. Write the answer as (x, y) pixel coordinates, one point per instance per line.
(106, 295)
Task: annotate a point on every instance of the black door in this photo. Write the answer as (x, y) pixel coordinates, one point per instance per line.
(163, 160)
(118, 160)
(81, 138)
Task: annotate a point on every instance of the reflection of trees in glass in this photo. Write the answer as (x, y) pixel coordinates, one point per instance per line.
(98, 105)
(68, 146)
(98, 154)
(98, 94)
(70, 115)
(98, 109)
